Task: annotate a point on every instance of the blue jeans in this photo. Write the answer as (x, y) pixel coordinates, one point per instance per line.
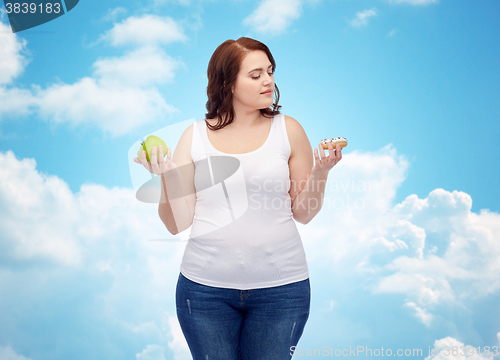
(231, 324)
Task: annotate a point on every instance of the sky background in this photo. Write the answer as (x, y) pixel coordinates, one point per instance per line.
(405, 253)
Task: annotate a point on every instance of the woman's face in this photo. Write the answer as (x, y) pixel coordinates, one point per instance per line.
(254, 86)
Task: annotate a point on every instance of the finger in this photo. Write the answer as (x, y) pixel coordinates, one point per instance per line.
(169, 153)
(338, 153)
(318, 160)
(136, 159)
(161, 157)
(161, 160)
(154, 157)
(144, 159)
(322, 152)
(154, 160)
(331, 150)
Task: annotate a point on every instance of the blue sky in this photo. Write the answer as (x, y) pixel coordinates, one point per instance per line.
(405, 252)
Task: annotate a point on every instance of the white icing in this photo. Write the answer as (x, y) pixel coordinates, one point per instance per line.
(334, 141)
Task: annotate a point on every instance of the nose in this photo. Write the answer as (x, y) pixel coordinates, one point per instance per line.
(268, 79)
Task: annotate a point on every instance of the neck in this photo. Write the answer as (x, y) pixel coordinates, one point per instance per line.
(245, 119)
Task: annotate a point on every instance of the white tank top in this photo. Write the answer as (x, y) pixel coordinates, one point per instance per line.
(243, 235)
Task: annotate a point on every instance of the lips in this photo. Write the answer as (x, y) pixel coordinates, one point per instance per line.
(267, 92)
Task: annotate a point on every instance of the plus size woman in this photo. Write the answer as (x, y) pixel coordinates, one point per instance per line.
(243, 289)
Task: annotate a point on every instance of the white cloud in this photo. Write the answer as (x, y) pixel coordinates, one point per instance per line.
(89, 103)
(420, 313)
(358, 194)
(145, 30)
(64, 227)
(83, 257)
(392, 32)
(7, 353)
(38, 215)
(412, 234)
(469, 263)
(414, 2)
(12, 55)
(274, 16)
(389, 245)
(119, 97)
(362, 17)
(440, 211)
(435, 251)
(427, 288)
(178, 343)
(113, 14)
(142, 67)
(15, 101)
(449, 348)
(151, 352)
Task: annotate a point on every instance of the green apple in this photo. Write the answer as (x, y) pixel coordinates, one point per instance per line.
(148, 144)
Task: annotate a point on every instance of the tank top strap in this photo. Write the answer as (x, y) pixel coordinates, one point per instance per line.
(200, 143)
(279, 137)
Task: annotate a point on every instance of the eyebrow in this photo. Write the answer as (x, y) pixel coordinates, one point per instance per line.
(260, 69)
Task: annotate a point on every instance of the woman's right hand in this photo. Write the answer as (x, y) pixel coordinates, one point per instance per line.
(157, 167)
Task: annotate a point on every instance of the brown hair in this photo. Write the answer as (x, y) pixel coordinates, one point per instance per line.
(222, 72)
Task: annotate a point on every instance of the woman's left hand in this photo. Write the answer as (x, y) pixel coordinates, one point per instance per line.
(326, 163)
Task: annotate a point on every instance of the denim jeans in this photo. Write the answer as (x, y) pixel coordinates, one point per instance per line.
(231, 324)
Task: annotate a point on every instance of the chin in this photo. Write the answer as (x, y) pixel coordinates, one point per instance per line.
(267, 105)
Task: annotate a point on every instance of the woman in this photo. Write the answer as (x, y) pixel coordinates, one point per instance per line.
(243, 291)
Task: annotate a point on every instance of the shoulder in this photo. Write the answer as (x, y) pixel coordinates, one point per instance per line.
(187, 135)
(291, 122)
(296, 136)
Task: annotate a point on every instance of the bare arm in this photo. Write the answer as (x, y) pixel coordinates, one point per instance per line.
(178, 195)
(308, 182)
(177, 201)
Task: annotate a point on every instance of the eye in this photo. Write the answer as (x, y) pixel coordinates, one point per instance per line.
(258, 76)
